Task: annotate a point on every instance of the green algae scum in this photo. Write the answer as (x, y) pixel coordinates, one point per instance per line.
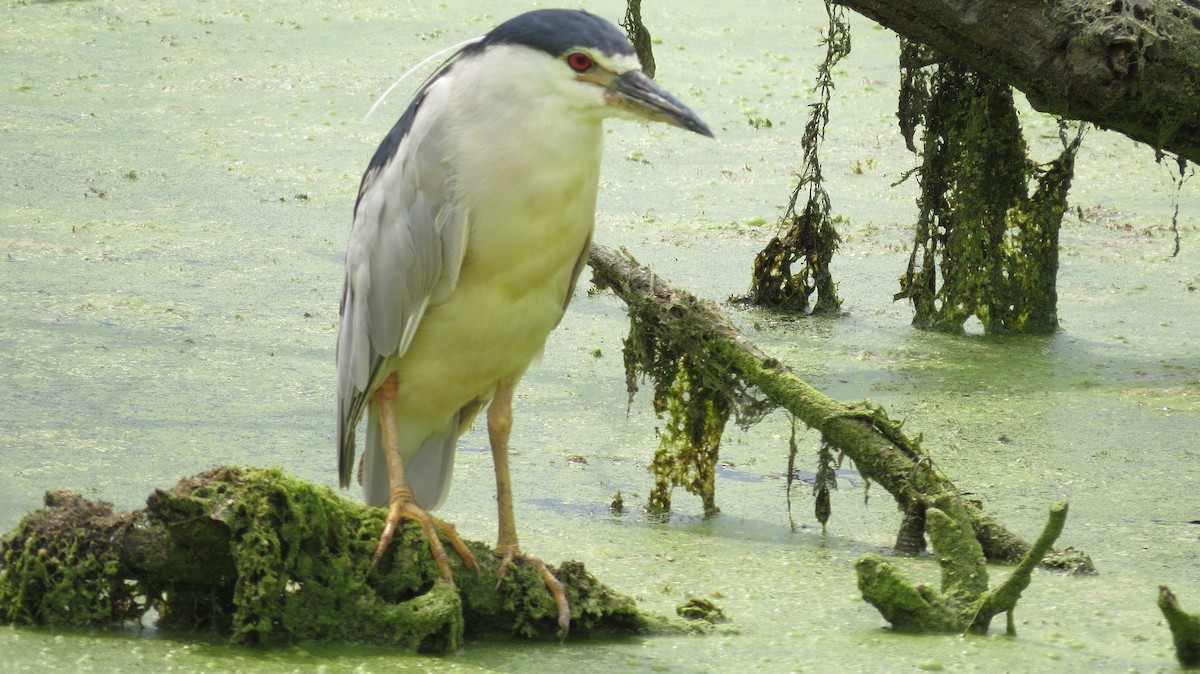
(175, 197)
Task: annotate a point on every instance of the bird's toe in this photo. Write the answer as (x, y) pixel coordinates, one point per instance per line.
(402, 506)
(557, 590)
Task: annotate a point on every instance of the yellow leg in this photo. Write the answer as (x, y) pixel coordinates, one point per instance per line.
(402, 504)
(499, 418)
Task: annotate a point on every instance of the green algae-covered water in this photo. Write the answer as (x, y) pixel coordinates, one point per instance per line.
(176, 186)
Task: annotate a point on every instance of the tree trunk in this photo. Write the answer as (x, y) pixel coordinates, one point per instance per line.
(1129, 65)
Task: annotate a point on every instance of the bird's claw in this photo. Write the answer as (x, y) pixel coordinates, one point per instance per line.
(506, 559)
(402, 507)
(557, 590)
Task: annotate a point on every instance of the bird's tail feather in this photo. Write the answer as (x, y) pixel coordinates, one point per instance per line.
(428, 471)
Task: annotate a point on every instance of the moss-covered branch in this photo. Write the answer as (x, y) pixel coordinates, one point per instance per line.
(263, 558)
(1185, 628)
(673, 321)
(964, 603)
(1004, 598)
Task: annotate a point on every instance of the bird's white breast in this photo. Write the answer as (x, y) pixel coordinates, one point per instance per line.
(527, 176)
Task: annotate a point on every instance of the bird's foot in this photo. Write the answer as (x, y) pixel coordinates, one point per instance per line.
(402, 506)
(553, 584)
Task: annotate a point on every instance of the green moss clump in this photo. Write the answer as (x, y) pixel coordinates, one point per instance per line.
(290, 565)
(698, 608)
(54, 574)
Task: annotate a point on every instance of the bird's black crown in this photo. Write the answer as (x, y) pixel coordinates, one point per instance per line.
(557, 31)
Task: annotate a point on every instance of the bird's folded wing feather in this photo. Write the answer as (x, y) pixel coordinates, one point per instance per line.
(406, 247)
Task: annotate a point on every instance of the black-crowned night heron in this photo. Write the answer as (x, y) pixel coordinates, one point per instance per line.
(473, 223)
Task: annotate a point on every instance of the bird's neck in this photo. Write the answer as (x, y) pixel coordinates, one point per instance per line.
(507, 151)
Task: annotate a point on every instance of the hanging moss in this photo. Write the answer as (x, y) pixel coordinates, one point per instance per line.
(913, 101)
(692, 399)
(984, 246)
(824, 483)
(809, 238)
(639, 36)
(689, 441)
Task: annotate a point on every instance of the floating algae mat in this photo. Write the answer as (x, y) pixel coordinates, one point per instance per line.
(177, 187)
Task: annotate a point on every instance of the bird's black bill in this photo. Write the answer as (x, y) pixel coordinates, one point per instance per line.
(637, 93)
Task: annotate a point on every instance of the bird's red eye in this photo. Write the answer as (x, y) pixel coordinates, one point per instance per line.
(580, 62)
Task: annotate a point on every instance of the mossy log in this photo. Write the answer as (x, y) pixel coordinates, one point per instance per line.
(263, 558)
(964, 603)
(1185, 628)
(881, 453)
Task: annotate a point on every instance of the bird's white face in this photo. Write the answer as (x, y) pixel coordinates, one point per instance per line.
(597, 71)
(627, 91)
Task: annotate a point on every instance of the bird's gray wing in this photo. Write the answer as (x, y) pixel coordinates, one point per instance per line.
(406, 248)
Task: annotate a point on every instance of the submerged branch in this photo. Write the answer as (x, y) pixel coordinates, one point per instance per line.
(964, 603)
(1185, 628)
